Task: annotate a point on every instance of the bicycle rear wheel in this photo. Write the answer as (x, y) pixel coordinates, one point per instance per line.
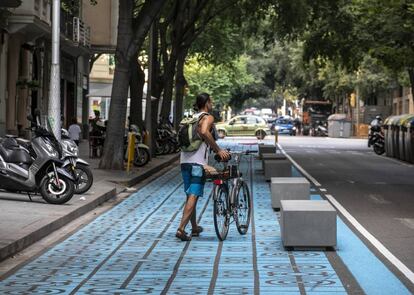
(221, 211)
(243, 204)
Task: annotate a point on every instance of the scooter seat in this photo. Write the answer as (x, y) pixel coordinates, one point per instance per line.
(11, 152)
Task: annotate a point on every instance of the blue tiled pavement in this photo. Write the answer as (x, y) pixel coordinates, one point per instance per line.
(131, 249)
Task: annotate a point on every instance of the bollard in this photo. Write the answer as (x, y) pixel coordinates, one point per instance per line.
(131, 149)
(276, 136)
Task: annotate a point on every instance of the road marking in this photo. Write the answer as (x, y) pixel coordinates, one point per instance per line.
(408, 222)
(315, 182)
(377, 244)
(378, 199)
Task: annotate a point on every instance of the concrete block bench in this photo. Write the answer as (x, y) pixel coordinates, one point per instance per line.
(307, 223)
(266, 149)
(289, 188)
(271, 156)
(277, 168)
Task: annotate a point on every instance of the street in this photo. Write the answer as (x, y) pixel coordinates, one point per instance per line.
(131, 249)
(378, 191)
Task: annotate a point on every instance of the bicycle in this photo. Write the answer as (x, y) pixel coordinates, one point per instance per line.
(231, 196)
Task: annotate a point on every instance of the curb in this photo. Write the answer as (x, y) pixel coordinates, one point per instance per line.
(150, 172)
(20, 244)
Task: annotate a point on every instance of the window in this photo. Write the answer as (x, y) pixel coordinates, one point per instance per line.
(239, 121)
(252, 120)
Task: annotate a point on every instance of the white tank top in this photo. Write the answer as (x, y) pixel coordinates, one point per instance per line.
(199, 156)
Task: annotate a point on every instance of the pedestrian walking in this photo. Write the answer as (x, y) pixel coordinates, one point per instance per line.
(193, 162)
(75, 131)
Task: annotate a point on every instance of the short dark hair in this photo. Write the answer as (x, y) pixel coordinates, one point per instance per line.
(201, 101)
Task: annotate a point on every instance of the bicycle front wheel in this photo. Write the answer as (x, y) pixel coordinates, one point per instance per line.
(243, 204)
(221, 211)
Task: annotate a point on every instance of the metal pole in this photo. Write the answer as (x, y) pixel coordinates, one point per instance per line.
(357, 111)
(148, 105)
(54, 97)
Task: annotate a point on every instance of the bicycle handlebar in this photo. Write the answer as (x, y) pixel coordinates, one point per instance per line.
(248, 152)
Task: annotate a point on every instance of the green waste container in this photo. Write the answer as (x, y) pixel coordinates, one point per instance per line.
(387, 136)
(402, 155)
(395, 127)
(409, 140)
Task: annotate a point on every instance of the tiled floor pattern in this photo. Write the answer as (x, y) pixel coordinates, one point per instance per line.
(132, 250)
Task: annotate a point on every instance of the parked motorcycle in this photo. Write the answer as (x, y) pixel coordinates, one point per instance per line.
(78, 168)
(166, 140)
(37, 170)
(319, 129)
(141, 154)
(376, 137)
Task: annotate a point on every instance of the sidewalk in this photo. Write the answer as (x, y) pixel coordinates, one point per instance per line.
(23, 223)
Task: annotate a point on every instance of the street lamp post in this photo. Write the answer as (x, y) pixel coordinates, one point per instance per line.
(148, 105)
(54, 97)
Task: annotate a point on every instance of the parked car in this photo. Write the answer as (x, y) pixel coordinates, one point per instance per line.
(284, 126)
(244, 125)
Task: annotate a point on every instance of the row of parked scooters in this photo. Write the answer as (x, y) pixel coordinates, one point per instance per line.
(166, 143)
(43, 165)
(166, 140)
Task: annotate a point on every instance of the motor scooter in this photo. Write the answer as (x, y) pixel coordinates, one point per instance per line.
(37, 170)
(376, 137)
(141, 154)
(319, 129)
(79, 168)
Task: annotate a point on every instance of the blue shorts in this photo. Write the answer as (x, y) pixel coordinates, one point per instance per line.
(194, 179)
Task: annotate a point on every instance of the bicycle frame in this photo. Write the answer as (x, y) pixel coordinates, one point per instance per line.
(231, 183)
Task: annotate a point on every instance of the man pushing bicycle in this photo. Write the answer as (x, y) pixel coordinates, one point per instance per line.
(195, 137)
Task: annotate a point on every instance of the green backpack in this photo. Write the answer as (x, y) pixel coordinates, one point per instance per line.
(188, 138)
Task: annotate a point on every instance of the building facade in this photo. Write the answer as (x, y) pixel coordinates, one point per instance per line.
(25, 60)
(403, 101)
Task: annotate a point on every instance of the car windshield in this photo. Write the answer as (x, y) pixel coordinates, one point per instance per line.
(283, 122)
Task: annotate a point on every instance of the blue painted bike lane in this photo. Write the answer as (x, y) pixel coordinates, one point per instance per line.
(131, 249)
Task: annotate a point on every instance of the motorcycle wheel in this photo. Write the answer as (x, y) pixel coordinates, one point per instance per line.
(141, 157)
(160, 148)
(54, 195)
(84, 179)
(378, 150)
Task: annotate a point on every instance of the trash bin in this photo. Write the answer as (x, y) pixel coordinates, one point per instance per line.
(395, 134)
(402, 124)
(388, 136)
(409, 140)
(339, 126)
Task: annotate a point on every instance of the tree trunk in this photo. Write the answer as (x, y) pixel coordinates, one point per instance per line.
(157, 79)
(411, 75)
(169, 73)
(136, 85)
(180, 84)
(131, 35)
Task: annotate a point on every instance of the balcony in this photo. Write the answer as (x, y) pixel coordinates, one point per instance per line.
(29, 13)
